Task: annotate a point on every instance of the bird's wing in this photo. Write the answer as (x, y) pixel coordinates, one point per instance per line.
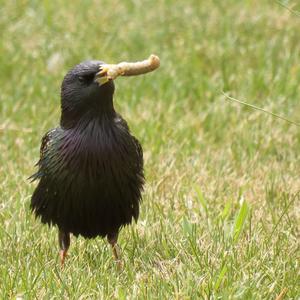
(139, 151)
(45, 142)
(138, 146)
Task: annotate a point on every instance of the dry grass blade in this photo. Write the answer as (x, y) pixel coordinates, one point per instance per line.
(282, 294)
(295, 12)
(260, 109)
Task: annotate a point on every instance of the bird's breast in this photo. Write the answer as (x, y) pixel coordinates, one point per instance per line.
(96, 152)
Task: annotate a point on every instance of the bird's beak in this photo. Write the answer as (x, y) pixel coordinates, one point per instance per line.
(102, 76)
(108, 72)
(101, 79)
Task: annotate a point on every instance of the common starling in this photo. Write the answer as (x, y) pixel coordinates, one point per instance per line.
(90, 170)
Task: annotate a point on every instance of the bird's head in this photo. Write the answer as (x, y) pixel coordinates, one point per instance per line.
(85, 92)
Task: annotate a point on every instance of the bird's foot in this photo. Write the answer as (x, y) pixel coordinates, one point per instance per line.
(119, 264)
(112, 239)
(117, 257)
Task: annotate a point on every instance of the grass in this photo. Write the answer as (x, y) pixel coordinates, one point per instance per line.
(220, 216)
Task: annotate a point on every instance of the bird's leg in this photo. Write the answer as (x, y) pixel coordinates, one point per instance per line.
(112, 239)
(64, 244)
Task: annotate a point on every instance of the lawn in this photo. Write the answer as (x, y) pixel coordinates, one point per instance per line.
(220, 213)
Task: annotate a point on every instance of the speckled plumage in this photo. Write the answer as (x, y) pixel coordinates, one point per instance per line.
(91, 167)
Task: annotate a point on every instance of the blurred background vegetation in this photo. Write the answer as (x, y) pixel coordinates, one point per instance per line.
(220, 217)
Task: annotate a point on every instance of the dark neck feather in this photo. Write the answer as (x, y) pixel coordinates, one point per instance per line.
(72, 117)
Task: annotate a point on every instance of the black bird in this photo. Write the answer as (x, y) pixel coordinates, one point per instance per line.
(90, 170)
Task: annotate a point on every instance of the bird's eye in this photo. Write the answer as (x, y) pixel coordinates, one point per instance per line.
(86, 78)
(81, 78)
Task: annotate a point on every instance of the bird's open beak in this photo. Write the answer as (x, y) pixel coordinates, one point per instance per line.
(101, 77)
(108, 72)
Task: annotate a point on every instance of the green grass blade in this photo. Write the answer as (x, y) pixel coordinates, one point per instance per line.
(201, 198)
(221, 277)
(240, 221)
